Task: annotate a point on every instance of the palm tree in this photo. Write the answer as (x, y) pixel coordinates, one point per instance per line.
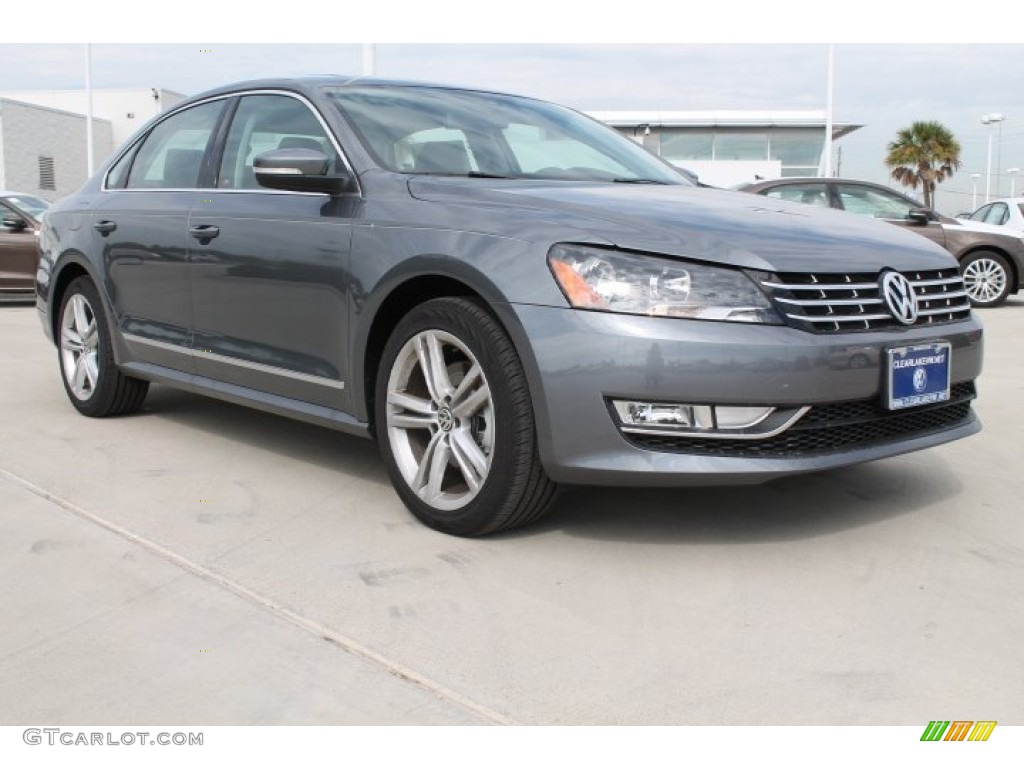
(923, 154)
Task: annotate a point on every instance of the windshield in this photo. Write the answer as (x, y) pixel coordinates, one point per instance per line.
(33, 206)
(468, 133)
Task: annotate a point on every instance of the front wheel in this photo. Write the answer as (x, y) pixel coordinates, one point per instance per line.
(455, 422)
(986, 278)
(94, 384)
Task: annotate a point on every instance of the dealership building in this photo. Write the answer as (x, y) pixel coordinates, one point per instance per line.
(730, 147)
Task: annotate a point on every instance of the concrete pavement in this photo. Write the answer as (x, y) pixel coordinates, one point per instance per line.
(202, 563)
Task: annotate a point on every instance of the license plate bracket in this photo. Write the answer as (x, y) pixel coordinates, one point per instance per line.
(917, 374)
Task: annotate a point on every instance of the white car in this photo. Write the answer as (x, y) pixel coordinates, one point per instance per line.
(1007, 212)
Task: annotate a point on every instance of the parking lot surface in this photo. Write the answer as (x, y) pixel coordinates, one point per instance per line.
(202, 563)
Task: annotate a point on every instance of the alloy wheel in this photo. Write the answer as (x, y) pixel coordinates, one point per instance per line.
(440, 419)
(79, 345)
(984, 280)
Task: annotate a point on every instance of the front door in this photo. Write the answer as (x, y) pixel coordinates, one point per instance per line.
(269, 268)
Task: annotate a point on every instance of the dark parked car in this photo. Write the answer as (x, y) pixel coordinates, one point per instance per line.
(992, 260)
(506, 294)
(19, 251)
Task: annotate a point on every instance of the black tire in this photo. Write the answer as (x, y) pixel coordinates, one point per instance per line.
(93, 382)
(987, 278)
(482, 432)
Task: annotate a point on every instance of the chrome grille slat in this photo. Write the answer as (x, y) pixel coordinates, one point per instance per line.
(829, 302)
(834, 302)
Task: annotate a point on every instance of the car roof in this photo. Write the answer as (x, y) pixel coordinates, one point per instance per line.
(309, 82)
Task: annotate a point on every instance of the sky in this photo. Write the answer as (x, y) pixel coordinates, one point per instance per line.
(884, 86)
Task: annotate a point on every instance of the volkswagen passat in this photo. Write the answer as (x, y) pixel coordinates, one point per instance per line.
(504, 293)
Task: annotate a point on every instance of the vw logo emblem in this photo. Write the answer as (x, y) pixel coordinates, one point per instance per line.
(445, 420)
(900, 297)
(920, 380)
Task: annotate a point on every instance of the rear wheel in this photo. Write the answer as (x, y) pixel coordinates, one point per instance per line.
(986, 278)
(94, 384)
(455, 422)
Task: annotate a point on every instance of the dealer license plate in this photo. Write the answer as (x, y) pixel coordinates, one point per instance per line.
(918, 375)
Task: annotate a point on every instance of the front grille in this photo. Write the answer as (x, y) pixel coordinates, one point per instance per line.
(836, 302)
(829, 428)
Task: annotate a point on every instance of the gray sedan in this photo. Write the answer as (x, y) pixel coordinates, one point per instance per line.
(505, 294)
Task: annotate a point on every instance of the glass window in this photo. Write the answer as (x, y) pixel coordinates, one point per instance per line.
(874, 202)
(265, 122)
(690, 145)
(811, 194)
(471, 132)
(117, 176)
(741, 146)
(981, 213)
(539, 151)
(998, 214)
(171, 156)
(436, 150)
(797, 148)
(30, 204)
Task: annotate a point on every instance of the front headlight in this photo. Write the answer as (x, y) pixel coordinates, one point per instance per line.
(613, 281)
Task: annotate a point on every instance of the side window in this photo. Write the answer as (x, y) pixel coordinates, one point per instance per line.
(981, 213)
(117, 176)
(811, 194)
(7, 213)
(172, 154)
(998, 214)
(264, 122)
(873, 202)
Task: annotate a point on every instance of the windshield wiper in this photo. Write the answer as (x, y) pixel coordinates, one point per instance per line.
(467, 174)
(639, 181)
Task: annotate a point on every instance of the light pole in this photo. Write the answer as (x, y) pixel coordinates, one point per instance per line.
(974, 195)
(990, 120)
(1013, 179)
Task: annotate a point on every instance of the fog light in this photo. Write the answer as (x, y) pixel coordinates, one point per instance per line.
(638, 414)
(712, 419)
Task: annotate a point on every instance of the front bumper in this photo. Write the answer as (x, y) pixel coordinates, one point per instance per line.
(576, 361)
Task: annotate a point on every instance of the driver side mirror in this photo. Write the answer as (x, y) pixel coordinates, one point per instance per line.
(14, 222)
(920, 216)
(299, 170)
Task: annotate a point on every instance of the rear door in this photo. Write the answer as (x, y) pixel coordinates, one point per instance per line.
(141, 225)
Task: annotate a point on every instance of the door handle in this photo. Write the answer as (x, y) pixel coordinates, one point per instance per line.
(105, 227)
(204, 233)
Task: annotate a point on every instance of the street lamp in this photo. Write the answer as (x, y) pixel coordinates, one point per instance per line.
(1013, 178)
(974, 195)
(990, 120)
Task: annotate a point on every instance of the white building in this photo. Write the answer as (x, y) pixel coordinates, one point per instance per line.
(42, 134)
(127, 109)
(730, 147)
(43, 150)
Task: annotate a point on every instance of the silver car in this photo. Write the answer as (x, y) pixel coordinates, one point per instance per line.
(505, 294)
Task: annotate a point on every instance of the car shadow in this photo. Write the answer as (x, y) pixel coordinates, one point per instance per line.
(309, 443)
(792, 508)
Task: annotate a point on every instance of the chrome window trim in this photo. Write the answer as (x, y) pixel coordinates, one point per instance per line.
(240, 94)
(218, 358)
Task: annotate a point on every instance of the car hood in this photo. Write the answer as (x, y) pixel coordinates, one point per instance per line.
(719, 226)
